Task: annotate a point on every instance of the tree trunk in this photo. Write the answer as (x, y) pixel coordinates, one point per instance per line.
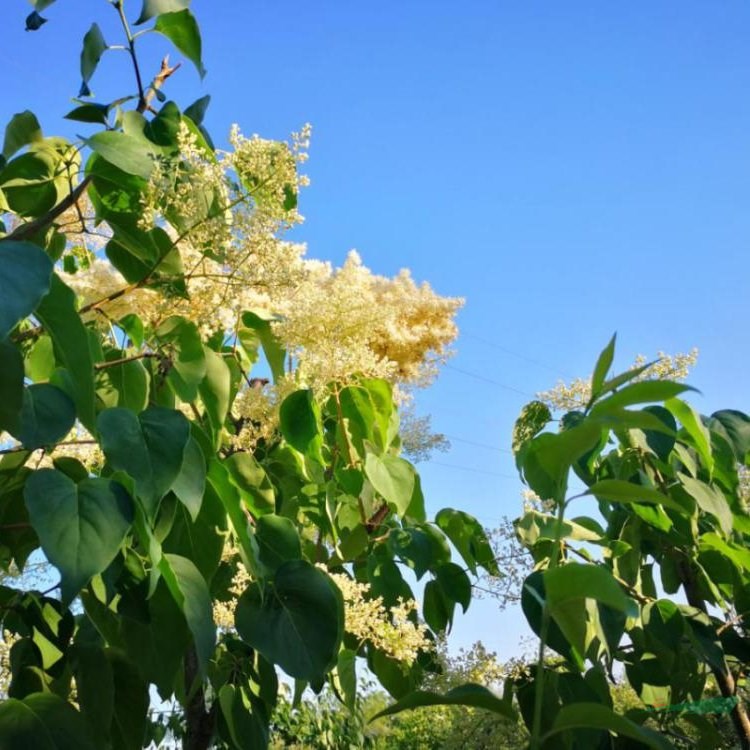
(200, 723)
(724, 678)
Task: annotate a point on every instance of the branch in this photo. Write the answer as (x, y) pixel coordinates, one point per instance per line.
(33, 227)
(164, 72)
(124, 360)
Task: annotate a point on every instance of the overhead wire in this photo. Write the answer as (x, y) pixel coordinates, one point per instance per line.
(478, 445)
(517, 355)
(472, 470)
(485, 379)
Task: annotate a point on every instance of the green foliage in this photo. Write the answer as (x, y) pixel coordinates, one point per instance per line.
(670, 499)
(122, 461)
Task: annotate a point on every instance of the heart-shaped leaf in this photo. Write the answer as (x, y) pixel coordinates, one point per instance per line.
(295, 622)
(80, 526)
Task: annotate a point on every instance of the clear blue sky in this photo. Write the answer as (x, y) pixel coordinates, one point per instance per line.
(571, 169)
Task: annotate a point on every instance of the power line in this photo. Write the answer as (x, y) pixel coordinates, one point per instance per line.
(478, 445)
(472, 470)
(497, 383)
(512, 353)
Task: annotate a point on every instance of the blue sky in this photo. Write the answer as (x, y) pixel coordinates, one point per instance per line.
(570, 169)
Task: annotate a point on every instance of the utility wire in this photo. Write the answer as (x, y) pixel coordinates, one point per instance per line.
(472, 470)
(497, 383)
(494, 345)
(478, 445)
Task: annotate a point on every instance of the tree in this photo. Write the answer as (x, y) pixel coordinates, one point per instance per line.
(203, 425)
(669, 493)
(624, 662)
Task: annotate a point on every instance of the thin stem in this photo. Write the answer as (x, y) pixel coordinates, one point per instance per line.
(123, 360)
(142, 103)
(536, 739)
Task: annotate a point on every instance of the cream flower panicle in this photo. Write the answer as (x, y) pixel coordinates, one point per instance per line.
(393, 631)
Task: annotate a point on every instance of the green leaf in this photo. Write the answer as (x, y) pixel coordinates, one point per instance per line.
(534, 527)
(201, 541)
(220, 485)
(22, 130)
(644, 392)
(11, 387)
(250, 478)
(30, 182)
(150, 447)
(197, 110)
(131, 703)
(437, 609)
(659, 442)
(578, 580)
(25, 275)
(260, 324)
(532, 420)
(740, 556)
(47, 416)
(710, 499)
(165, 126)
(81, 526)
(94, 47)
(299, 422)
(153, 8)
(148, 258)
(42, 721)
(474, 696)
(735, 426)
(126, 152)
(278, 541)
(125, 384)
(215, 390)
(455, 584)
(346, 671)
(296, 622)
(190, 591)
(599, 716)
(393, 478)
(546, 459)
(116, 195)
(620, 491)
(89, 112)
(57, 313)
(189, 366)
(692, 424)
(468, 537)
(182, 30)
(95, 690)
(40, 360)
(602, 368)
(190, 483)
(247, 727)
(34, 21)
(357, 417)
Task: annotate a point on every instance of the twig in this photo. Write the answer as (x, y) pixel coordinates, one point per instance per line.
(124, 360)
(33, 227)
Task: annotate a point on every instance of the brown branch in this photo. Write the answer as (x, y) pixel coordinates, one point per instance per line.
(377, 518)
(124, 360)
(25, 231)
(164, 72)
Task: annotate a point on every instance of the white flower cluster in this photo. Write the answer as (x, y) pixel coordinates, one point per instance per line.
(575, 395)
(393, 631)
